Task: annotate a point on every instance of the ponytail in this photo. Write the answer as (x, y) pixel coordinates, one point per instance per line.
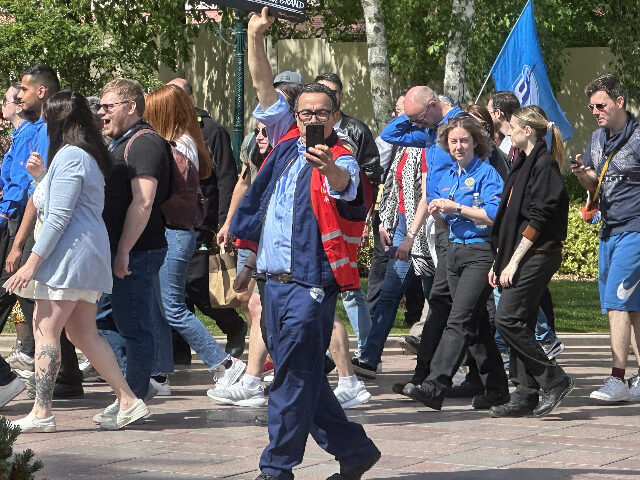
(535, 117)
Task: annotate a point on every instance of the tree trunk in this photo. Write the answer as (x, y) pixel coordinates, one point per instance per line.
(378, 62)
(454, 71)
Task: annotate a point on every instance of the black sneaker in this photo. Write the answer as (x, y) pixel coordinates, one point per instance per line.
(551, 397)
(465, 390)
(425, 394)
(362, 369)
(511, 410)
(236, 341)
(410, 344)
(265, 476)
(260, 421)
(355, 472)
(488, 400)
(399, 388)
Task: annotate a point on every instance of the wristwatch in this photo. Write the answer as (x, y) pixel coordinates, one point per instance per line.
(459, 209)
(411, 233)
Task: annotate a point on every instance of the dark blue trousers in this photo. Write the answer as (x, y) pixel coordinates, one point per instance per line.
(301, 401)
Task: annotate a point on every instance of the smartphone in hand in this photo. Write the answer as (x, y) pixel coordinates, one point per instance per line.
(574, 161)
(390, 251)
(314, 134)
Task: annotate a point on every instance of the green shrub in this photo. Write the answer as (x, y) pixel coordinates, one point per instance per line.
(17, 466)
(580, 252)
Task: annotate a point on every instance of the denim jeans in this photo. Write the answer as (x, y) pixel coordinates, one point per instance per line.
(172, 284)
(132, 301)
(544, 333)
(396, 280)
(355, 304)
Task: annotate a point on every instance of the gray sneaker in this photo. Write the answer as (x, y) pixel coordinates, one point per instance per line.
(19, 362)
(10, 391)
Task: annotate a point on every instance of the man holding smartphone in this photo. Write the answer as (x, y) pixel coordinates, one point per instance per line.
(611, 162)
(304, 215)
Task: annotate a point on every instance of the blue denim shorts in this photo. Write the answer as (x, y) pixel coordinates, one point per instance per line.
(619, 272)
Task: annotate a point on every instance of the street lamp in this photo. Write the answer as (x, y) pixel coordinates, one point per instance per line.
(237, 37)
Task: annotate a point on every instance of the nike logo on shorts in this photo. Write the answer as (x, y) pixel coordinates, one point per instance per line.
(624, 293)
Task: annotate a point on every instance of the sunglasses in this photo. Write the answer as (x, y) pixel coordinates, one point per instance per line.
(262, 131)
(599, 106)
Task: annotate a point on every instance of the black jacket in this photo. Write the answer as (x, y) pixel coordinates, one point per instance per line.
(367, 155)
(218, 188)
(534, 204)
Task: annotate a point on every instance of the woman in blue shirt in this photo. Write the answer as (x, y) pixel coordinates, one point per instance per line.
(70, 261)
(465, 201)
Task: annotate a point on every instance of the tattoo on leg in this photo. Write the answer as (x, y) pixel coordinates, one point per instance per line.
(46, 377)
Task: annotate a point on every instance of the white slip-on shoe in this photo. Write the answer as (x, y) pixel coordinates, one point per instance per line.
(108, 413)
(124, 417)
(32, 424)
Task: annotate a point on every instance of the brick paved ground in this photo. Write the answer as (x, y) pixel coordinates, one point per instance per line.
(188, 437)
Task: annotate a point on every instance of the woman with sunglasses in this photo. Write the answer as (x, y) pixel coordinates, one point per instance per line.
(529, 228)
(466, 199)
(70, 261)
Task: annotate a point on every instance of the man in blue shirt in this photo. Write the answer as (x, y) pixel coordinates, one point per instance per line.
(14, 182)
(278, 212)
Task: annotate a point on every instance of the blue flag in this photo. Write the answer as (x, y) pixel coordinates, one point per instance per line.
(520, 68)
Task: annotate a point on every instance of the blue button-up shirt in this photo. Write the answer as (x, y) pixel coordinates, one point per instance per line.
(14, 178)
(40, 144)
(479, 177)
(274, 249)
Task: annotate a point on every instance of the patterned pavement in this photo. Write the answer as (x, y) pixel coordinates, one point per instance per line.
(189, 437)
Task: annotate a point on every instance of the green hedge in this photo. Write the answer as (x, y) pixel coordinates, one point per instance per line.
(580, 253)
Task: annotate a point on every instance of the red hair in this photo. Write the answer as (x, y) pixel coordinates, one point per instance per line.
(170, 112)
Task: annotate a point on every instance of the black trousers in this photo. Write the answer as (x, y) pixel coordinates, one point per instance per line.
(516, 316)
(378, 267)
(414, 301)
(439, 308)
(468, 323)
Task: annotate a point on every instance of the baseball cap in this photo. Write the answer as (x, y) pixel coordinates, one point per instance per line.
(288, 77)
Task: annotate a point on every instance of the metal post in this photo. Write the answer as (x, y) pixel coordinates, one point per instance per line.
(238, 112)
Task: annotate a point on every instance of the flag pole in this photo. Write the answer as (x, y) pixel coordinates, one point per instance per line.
(502, 49)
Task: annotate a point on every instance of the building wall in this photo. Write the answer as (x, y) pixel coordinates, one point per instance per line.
(212, 73)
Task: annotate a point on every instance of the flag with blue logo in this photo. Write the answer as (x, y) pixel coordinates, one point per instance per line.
(520, 68)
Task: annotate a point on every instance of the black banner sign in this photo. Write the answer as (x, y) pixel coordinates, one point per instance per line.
(286, 9)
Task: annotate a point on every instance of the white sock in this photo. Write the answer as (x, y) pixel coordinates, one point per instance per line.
(249, 381)
(348, 382)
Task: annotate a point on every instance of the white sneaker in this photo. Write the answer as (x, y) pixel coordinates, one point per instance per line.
(238, 394)
(634, 388)
(19, 362)
(225, 377)
(108, 413)
(164, 388)
(613, 390)
(32, 424)
(553, 349)
(124, 417)
(350, 397)
(10, 391)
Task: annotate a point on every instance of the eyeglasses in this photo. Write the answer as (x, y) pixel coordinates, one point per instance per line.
(262, 131)
(599, 106)
(321, 115)
(108, 107)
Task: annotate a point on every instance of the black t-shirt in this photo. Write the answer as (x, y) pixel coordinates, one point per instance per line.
(149, 154)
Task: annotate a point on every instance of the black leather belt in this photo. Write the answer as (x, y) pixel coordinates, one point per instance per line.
(280, 277)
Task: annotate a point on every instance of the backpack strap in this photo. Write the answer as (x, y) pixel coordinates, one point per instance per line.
(143, 131)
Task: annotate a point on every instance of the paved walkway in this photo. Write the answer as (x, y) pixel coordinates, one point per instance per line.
(189, 437)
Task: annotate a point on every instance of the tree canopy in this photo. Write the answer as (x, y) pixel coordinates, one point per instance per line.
(418, 34)
(89, 42)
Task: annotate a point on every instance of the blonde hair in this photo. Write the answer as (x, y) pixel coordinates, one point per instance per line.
(534, 117)
(126, 89)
